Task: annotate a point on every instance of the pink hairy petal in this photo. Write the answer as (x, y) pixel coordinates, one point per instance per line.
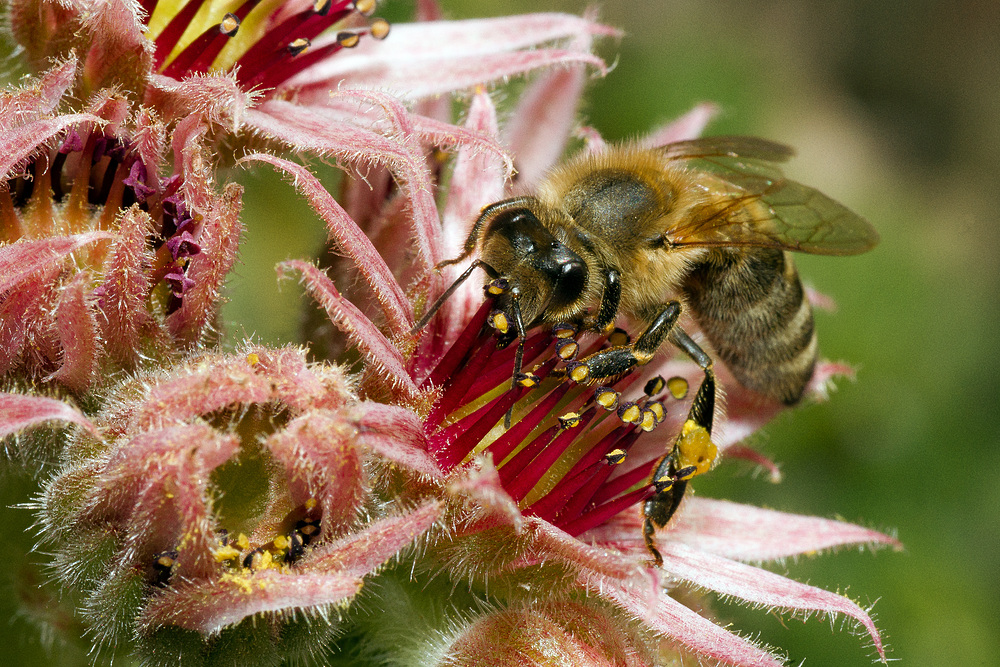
(662, 614)
(32, 102)
(311, 130)
(19, 143)
(18, 412)
(365, 551)
(78, 337)
(125, 318)
(548, 543)
(216, 98)
(760, 586)
(20, 260)
(209, 606)
(755, 457)
(688, 126)
(426, 59)
(119, 53)
(214, 383)
(350, 241)
(22, 312)
(746, 533)
(580, 635)
(396, 434)
(417, 77)
(156, 485)
(321, 461)
(359, 329)
(431, 130)
(481, 485)
(208, 269)
(478, 177)
(541, 124)
(477, 181)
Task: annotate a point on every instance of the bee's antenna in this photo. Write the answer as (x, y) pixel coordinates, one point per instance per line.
(519, 357)
(451, 290)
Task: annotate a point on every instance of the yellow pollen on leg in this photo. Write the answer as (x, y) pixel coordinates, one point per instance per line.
(695, 448)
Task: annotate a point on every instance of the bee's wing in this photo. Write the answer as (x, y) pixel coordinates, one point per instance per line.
(751, 204)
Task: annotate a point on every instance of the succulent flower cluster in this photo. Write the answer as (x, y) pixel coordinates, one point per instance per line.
(216, 505)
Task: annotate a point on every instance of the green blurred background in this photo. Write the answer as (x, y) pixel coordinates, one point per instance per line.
(893, 108)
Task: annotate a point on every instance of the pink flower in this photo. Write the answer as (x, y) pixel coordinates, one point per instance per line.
(106, 258)
(546, 510)
(232, 487)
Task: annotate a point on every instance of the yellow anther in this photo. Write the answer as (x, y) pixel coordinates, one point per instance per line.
(366, 7)
(500, 322)
(229, 25)
(659, 412)
(528, 380)
(253, 359)
(311, 503)
(654, 386)
(618, 337)
(379, 28)
(564, 330)
(630, 414)
(494, 289)
(297, 46)
(678, 387)
(695, 448)
(615, 456)
(570, 420)
(348, 39)
(606, 398)
(579, 373)
(567, 348)
(648, 422)
(226, 553)
(322, 7)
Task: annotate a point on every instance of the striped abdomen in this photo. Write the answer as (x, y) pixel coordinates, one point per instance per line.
(750, 304)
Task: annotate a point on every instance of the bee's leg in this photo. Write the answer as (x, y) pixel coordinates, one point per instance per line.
(617, 361)
(693, 452)
(611, 298)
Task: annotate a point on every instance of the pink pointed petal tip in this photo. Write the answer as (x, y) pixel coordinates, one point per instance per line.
(688, 126)
(356, 326)
(754, 534)
(18, 412)
(761, 587)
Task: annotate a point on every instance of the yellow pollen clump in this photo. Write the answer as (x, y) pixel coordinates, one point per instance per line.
(311, 503)
(226, 553)
(253, 359)
(695, 448)
(500, 323)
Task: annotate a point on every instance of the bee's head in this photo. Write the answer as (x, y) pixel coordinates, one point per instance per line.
(545, 274)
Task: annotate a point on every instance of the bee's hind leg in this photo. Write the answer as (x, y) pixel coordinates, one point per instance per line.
(692, 454)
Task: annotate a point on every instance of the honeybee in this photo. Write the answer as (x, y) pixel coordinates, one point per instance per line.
(702, 226)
